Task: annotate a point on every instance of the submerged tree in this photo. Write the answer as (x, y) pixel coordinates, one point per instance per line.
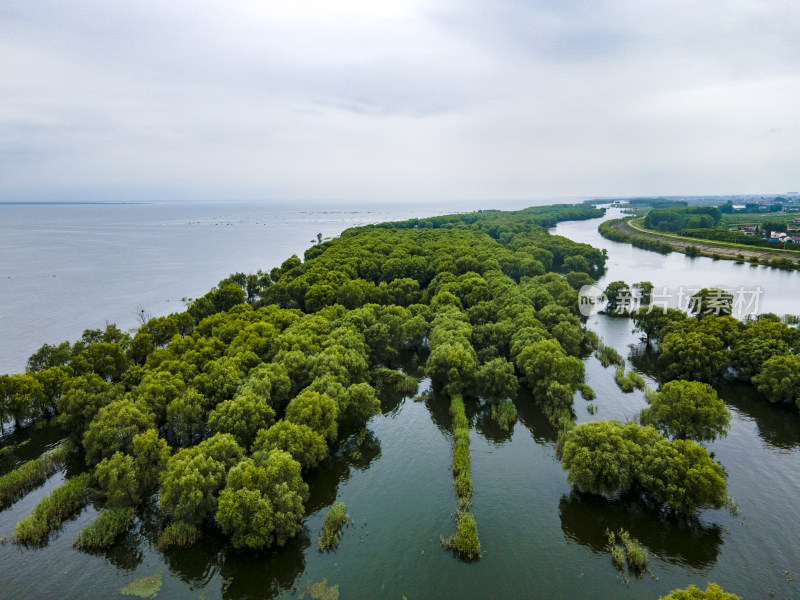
(687, 410)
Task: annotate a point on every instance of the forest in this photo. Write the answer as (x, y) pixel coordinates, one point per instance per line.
(223, 410)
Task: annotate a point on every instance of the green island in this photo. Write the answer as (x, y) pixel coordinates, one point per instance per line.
(223, 412)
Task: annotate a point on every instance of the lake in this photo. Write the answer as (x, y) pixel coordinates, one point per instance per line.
(539, 540)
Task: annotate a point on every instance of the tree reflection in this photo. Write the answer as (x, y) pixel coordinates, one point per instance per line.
(687, 542)
(489, 429)
(777, 425)
(262, 574)
(357, 451)
(530, 415)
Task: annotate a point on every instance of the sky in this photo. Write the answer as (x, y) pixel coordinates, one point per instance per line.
(414, 101)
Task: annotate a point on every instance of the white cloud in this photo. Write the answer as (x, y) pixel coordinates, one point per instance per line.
(359, 100)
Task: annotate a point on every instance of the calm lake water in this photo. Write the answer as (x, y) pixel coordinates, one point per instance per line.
(69, 267)
(539, 539)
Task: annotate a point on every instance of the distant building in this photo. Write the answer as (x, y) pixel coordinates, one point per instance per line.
(793, 239)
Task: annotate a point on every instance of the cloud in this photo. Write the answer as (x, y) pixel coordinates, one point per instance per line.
(418, 100)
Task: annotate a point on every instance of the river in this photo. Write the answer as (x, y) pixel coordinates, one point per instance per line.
(539, 540)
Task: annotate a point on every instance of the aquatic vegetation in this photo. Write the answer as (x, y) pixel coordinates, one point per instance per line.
(587, 392)
(504, 414)
(609, 356)
(629, 548)
(624, 383)
(336, 518)
(465, 542)
(144, 587)
(322, 591)
(31, 474)
(64, 502)
(104, 530)
(635, 553)
(178, 534)
(712, 592)
(631, 381)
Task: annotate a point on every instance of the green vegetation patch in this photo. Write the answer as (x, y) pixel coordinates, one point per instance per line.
(609, 356)
(322, 591)
(31, 474)
(465, 543)
(144, 587)
(64, 502)
(178, 535)
(634, 552)
(335, 520)
(712, 592)
(504, 414)
(106, 528)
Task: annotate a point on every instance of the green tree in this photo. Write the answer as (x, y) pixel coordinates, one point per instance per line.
(117, 475)
(618, 294)
(496, 380)
(150, 454)
(318, 411)
(779, 379)
(601, 458)
(691, 356)
(683, 475)
(455, 365)
(263, 502)
(82, 397)
(242, 417)
(362, 403)
(687, 410)
(113, 429)
(304, 444)
(272, 382)
(186, 417)
(194, 476)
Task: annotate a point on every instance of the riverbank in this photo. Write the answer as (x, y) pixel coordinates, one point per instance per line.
(630, 229)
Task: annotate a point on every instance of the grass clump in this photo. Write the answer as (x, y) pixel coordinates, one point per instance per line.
(465, 542)
(587, 392)
(504, 413)
(178, 535)
(458, 413)
(631, 381)
(634, 552)
(332, 527)
(64, 502)
(102, 532)
(638, 381)
(608, 356)
(31, 474)
(624, 383)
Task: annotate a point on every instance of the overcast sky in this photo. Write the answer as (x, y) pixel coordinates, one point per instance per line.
(368, 100)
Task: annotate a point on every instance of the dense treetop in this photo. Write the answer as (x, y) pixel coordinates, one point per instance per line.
(225, 405)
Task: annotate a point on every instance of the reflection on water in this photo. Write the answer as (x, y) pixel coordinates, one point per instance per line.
(529, 414)
(489, 429)
(687, 542)
(778, 425)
